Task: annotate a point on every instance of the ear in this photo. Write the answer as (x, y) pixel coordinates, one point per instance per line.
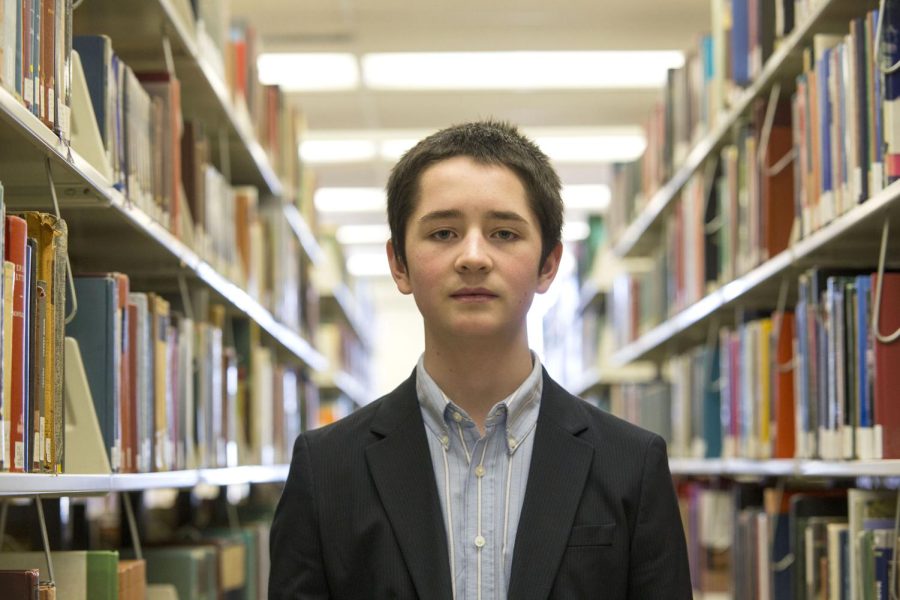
(398, 269)
(548, 270)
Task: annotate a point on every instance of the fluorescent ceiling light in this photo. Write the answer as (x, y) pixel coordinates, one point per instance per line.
(362, 234)
(518, 70)
(350, 200)
(337, 151)
(562, 145)
(589, 198)
(615, 147)
(309, 72)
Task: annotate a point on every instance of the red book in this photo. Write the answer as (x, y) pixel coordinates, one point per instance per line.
(20, 584)
(784, 446)
(16, 235)
(887, 365)
(124, 371)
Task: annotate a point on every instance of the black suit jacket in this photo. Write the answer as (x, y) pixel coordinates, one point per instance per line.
(360, 516)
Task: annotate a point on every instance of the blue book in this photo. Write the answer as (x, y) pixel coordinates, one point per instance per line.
(712, 404)
(36, 57)
(19, 74)
(878, 103)
(863, 291)
(96, 60)
(740, 42)
(858, 36)
(823, 73)
(28, 337)
(94, 328)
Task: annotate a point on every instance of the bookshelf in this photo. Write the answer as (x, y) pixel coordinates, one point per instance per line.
(108, 231)
(772, 417)
(137, 36)
(850, 240)
(96, 210)
(643, 233)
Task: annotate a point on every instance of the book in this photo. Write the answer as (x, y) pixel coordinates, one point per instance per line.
(20, 584)
(192, 570)
(887, 355)
(79, 575)
(95, 329)
(16, 233)
(51, 234)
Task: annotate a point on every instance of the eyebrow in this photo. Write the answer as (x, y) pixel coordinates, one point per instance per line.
(495, 215)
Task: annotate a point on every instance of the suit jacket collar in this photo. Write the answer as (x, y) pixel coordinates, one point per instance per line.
(401, 466)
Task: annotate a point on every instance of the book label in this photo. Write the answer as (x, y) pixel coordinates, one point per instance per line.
(29, 91)
(51, 105)
(19, 462)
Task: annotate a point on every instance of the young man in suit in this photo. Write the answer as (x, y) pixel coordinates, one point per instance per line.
(478, 477)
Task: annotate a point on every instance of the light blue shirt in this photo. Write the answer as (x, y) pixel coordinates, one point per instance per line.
(481, 480)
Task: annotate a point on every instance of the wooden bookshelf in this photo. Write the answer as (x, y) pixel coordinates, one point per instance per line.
(644, 232)
(852, 239)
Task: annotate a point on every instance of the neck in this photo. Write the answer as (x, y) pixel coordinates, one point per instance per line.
(478, 374)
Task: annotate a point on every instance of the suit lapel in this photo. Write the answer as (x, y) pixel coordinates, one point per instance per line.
(400, 464)
(556, 478)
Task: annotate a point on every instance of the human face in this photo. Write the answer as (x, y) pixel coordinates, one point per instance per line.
(473, 247)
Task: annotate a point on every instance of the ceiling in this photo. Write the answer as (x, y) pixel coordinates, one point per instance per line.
(362, 26)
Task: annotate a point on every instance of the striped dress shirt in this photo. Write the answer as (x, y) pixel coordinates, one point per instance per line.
(481, 480)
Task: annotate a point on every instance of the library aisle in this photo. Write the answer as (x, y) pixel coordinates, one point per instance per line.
(194, 268)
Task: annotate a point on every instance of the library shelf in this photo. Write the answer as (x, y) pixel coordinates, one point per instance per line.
(850, 240)
(798, 468)
(643, 233)
(598, 377)
(304, 234)
(137, 32)
(106, 231)
(341, 382)
(43, 484)
(338, 300)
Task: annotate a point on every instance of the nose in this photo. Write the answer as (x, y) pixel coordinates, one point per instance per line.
(474, 254)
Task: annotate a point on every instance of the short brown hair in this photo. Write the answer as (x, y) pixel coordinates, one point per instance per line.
(486, 142)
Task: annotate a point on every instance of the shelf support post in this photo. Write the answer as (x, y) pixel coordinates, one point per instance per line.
(46, 540)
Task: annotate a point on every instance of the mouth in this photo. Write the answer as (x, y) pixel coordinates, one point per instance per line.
(473, 295)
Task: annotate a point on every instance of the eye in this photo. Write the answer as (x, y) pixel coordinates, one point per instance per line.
(442, 235)
(506, 235)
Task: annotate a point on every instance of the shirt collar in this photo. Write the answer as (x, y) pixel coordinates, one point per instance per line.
(520, 408)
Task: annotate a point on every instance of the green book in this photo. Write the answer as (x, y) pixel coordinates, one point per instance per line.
(191, 569)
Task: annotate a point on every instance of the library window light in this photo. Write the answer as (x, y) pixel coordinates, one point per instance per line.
(350, 200)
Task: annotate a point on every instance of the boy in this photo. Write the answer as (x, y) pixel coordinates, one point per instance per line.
(479, 477)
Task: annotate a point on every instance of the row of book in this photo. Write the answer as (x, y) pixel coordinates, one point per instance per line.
(812, 382)
(756, 542)
(164, 166)
(227, 565)
(828, 146)
(35, 49)
(172, 392)
(34, 312)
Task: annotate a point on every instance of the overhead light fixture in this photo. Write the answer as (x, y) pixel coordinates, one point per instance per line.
(575, 231)
(518, 70)
(350, 200)
(309, 71)
(612, 147)
(562, 145)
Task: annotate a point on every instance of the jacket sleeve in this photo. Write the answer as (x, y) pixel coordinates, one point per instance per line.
(658, 562)
(297, 567)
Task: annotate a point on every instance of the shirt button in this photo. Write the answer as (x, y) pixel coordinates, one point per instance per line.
(479, 541)
(457, 417)
(512, 443)
(479, 471)
(445, 440)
